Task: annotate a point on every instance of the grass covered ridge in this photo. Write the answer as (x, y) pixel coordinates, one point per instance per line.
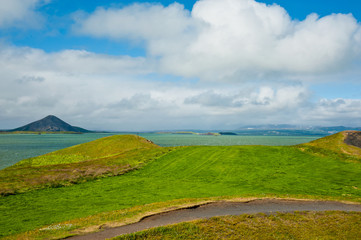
(107, 147)
(299, 225)
(187, 173)
(109, 156)
(334, 145)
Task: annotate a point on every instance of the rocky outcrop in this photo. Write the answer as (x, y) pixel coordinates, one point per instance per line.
(353, 138)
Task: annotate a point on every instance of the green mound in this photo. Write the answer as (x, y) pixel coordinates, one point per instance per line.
(107, 147)
(334, 145)
(109, 156)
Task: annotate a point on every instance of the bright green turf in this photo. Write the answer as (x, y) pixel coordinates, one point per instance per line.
(101, 148)
(109, 156)
(189, 172)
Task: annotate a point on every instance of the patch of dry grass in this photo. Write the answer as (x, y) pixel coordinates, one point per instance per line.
(298, 225)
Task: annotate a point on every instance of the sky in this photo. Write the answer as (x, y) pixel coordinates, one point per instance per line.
(172, 65)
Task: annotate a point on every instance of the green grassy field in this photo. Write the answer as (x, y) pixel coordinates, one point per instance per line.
(185, 172)
(299, 225)
(109, 156)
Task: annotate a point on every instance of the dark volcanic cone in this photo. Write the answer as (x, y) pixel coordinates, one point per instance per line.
(50, 124)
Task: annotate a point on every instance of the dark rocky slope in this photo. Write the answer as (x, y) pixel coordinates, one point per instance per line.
(353, 138)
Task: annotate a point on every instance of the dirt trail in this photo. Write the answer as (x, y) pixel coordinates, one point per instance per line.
(220, 209)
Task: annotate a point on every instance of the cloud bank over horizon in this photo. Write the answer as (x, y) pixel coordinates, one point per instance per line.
(221, 65)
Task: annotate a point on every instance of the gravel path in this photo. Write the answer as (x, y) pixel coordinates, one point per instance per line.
(220, 209)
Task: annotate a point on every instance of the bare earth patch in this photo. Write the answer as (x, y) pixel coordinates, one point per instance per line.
(353, 138)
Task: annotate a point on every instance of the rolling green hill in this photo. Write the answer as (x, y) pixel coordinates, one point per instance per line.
(109, 156)
(320, 169)
(336, 143)
(107, 147)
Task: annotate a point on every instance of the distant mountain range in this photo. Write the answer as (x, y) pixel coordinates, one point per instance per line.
(295, 127)
(271, 126)
(49, 124)
(54, 124)
(289, 130)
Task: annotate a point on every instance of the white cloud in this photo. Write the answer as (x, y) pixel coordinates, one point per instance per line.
(232, 39)
(337, 111)
(212, 99)
(145, 21)
(20, 13)
(226, 42)
(71, 62)
(78, 86)
(262, 99)
(71, 82)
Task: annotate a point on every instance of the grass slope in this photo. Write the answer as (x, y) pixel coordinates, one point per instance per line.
(191, 172)
(334, 145)
(299, 225)
(98, 149)
(107, 156)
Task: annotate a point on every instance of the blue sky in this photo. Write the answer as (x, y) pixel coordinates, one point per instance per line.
(201, 64)
(59, 12)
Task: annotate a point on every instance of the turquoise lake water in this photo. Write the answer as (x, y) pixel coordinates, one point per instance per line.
(15, 147)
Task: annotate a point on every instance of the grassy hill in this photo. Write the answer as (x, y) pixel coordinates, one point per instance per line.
(320, 169)
(109, 156)
(336, 143)
(104, 148)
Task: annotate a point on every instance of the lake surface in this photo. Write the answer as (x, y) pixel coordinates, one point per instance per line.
(15, 147)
